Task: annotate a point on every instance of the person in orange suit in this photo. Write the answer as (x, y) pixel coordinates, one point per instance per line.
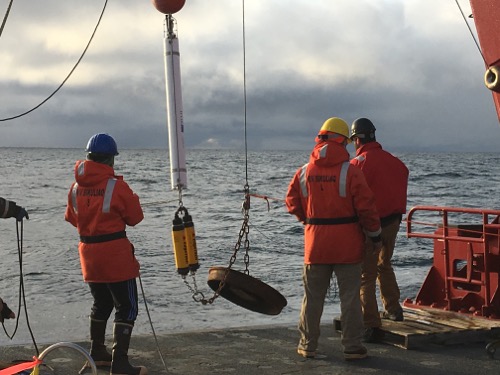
(333, 201)
(387, 177)
(101, 205)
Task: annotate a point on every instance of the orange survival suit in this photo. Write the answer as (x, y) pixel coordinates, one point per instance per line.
(333, 200)
(100, 206)
(387, 177)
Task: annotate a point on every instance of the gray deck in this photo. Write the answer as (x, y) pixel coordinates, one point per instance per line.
(272, 350)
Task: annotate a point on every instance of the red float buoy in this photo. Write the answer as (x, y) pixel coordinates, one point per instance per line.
(168, 6)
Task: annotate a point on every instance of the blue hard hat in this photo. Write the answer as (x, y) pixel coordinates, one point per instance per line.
(102, 143)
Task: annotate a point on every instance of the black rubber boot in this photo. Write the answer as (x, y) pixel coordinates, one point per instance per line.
(121, 340)
(98, 350)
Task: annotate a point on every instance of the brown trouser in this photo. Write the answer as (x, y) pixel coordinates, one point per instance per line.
(316, 278)
(378, 266)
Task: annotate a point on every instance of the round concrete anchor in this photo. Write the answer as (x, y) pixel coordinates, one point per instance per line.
(246, 291)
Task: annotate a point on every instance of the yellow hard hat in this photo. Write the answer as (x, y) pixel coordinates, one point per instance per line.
(335, 125)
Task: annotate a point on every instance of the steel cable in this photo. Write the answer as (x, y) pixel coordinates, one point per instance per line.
(67, 77)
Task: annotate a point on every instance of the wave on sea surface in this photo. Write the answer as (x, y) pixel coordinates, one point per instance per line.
(59, 302)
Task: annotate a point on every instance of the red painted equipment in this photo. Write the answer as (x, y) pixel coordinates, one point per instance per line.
(486, 16)
(465, 273)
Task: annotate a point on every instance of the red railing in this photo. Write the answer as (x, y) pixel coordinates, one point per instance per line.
(466, 266)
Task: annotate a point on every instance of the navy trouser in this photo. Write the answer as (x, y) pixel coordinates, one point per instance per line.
(122, 296)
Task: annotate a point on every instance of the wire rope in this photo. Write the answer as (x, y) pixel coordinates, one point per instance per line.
(69, 74)
(5, 17)
(245, 93)
(470, 31)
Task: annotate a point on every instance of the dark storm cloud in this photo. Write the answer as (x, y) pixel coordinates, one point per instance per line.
(411, 66)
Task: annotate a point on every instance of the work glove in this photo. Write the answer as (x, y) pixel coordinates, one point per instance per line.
(22, 214)
(5, 312)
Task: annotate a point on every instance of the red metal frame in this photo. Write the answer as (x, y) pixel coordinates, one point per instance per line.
(466, 267)
(487, 20)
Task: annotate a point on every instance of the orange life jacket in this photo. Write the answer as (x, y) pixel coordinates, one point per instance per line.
(333, 200)
(101, 205)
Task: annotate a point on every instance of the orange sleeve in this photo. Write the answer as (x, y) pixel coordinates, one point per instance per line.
(130, 206)
(70, 215)
(364, 202)
(293, 199)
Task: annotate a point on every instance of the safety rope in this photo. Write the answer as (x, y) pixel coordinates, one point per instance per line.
(69, 74)
(22, 293)
(151, 324)
(21, 367)
(161, 202)
(416, 222)
(267, 199)
(156, 203)
(145, 204)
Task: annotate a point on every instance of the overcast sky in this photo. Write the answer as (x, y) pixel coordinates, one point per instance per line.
(409, 65)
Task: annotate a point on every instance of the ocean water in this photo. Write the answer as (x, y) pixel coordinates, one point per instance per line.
(58, 301)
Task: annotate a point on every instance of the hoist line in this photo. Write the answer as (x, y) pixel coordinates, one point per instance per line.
(243, 234)
(69, 74)
(5, 17)
(245, 94)
(471, 33)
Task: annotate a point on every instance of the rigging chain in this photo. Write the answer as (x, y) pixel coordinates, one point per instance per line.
(242, 238)
(243, 235)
